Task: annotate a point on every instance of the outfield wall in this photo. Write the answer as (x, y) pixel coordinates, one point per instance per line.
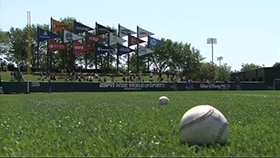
(30, 87)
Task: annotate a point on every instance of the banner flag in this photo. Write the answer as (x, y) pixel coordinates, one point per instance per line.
(101, 49)
(92, 38)
(100, 29)
(123, 31)
(57, 26)
(69, 36)
(143, 50)
(80, 28)
(152, 42)
(134, 40)
(45, 35)
(143, 33)
(123, 49)
(80, 48)
(113, 40)
(55, 46)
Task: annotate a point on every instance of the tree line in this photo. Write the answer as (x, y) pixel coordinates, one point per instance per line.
(172, 56)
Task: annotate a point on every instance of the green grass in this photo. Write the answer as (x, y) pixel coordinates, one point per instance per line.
(6, 76)
(133, 124)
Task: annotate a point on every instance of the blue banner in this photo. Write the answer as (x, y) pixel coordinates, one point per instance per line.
(45, 35)
(152, 42)
(123, 49)
(100, 29)
(80, 28)
(101, 49)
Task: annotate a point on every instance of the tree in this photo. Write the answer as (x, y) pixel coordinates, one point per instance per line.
(222, 72)
(142, 60)
(188, 61)
(5, 45)
(19, 45)
(162, 56)
(177, 56)
(277, 64)
(249, 67)
(204, 72)
(18, 42)
(4, 37)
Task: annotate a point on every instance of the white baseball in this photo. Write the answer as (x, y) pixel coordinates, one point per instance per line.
(204, 125)
(163, 100)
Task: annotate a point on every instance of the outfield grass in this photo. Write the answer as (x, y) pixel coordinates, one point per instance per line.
(133, 124)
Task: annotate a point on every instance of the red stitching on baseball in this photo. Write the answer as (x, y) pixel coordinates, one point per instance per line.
(221, 132)
(198, 119)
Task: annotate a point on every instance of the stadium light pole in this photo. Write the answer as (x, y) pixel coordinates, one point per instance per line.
(29, 41)
(220, 58)
(212, 41)
(28, 48)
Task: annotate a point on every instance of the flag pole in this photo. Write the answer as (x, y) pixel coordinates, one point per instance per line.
(137, 53)
(37, 55)
(72, 51)
(95, 61)
(108, 53)
(49, 64)
(49, 55)
(87, 52)
(72, 54)
(38, 45)
(128, 55)
(117, 53)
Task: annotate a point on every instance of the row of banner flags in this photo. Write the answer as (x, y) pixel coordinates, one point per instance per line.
(82, 40)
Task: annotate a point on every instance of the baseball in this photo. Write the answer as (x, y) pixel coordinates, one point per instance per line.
(163, 100)
(204, 125)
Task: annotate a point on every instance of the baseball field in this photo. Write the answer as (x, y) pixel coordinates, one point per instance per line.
(133, 124)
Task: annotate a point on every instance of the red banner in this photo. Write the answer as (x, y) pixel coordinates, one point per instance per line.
(80, 48)
(134, 40)
(91, 38)
(58, 26)
(55, 46)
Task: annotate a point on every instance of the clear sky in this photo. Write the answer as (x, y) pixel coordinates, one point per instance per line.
(247, 31)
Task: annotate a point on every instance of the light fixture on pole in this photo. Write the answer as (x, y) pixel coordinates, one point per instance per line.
(212, 41)
(29, 41)
(220, 59)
